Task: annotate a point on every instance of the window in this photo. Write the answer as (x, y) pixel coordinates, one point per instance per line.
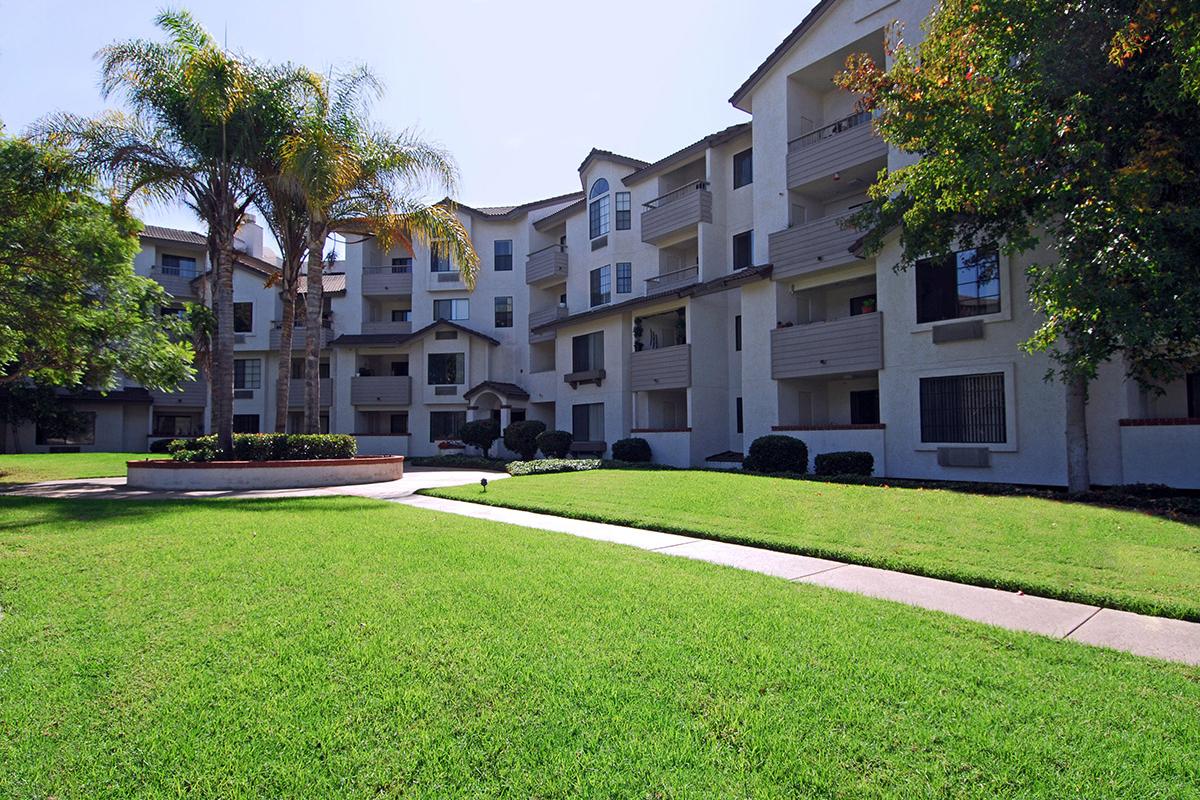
(447, 369)
(401, 314)
(743, 168)
(243, 317)
(182, 266)
(502, 255)
(399, 369)
(398, 423)
(737, 333)
(587, 422)
(963, 284)
(624, 277)
(401, 265)
(598, 209)
(864, 407)
(741, 428)
(247, 373)
(504, 312)
(862, 305)
(601, 282)
(965, 409)
(175, 425)
(743, 250)
(446, 424)
(1193, 395)
(439, 257)
(85, 435)
(587, 352)
(452, 309)
(245, 423)
(624, 211)
(298, 369)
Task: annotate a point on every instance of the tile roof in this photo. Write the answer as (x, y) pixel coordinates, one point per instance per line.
(508, 390)
(363, 339)
(695, 148)
(609, 155)
(174, 235)
(511, 212)
(331, 283)
(779, 52)
(551, 220)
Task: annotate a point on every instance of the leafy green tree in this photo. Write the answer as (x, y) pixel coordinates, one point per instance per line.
(1047, 120)
(72, 312)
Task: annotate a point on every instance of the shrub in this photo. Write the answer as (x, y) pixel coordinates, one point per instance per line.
(267, 447)
(521, 437)
(481, 433)
(259, 446)
(633, 450)
(456, 462)
(161, 445)
(849, 462)
(202, 448)
(303, 446)
(546, 466)
(775, 453)
(555, 444)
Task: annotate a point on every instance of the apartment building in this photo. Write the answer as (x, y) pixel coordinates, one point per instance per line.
(698, 301)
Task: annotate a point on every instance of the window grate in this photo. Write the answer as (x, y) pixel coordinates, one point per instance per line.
(966, 409)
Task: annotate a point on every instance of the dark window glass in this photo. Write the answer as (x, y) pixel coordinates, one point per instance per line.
(398, 424)
(587, 422)
(740, 425)
(399, 369)
(864, 407)
(439, 258)
(183, 266)
(245, 423)
(446, 424)
(601, 285)
(743, 168)
(243, 317)
(1193, 395)
(624, 277)
(598, 217)
(743, 250)
(401, 265)
(503, 255)
(598, 188)
(587, 352)
(624, 211)
(247, 373)
(447, 369)
(965, 409)
(401, 314)
(737, 333)
(85, 435)
(504, 312)
(452, 309)
(963, 284)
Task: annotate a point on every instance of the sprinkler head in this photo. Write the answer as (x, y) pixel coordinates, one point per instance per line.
(483, 483)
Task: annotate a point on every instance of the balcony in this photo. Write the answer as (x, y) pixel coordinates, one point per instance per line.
(298, 334)
(387, 280)
(663, 368)
(676, 211)
(804, 249)
(381, 390)
(841, 347)
(394, 327)
(177, 281)
(841, 146)
(296, 392)
(676, 279)
(543, 317)
(192, 394)
(546, 267)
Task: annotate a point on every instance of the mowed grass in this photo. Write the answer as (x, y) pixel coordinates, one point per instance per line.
(337, 647)
(36, 467)
(1121, 559)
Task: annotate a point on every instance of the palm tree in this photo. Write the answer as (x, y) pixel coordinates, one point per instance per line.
(195, 126)
(354, 175)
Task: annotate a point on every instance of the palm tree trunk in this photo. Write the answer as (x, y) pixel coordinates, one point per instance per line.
(313, 302)
(222, 355)
(1079, 477)
(283, 375)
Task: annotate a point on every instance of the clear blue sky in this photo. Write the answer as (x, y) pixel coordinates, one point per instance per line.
(518, 91)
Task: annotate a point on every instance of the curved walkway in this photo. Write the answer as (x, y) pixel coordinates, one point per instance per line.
(1155, 637)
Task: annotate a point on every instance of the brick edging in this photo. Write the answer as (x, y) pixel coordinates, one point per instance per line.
(166, 463)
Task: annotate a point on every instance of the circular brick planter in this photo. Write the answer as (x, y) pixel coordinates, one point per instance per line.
(229, 475)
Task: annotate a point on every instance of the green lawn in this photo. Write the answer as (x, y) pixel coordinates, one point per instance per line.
(336, 647)
(35, 467)
(1121, 559)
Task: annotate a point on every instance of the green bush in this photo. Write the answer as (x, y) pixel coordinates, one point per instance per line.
(555, 444)
(267, 447)
(635, 450)
(521, 437)
(202, 448)
(849, 462)
(545, 466)
(457, 462)
(161, 445)
(771, 454)
(481, 433)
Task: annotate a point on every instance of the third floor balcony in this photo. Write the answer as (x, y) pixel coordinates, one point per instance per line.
(821, 244)
(387, 280)
(676, 211)
(546, 267)
(849, 145)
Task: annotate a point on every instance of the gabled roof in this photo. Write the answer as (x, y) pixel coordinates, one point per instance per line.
(607, 155)
(331, 283)
(510, 391)
(687, 153)
(512, 212)
(174, 235)
(779, 52)
(364, 339)
(558, 217)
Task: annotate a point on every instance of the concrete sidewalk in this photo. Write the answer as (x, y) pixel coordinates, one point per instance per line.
(1156, 637)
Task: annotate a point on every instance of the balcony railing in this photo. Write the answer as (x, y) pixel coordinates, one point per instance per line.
(176, 280)
(832, 129)
(546, 315)
(661, 368)
(398, 327)
(677, 194)
(850, 144)
(387, 280)
(818, 245)
(675, 212)
(381, 390)
(296, 392)
(840, 347)
(298, 332)
(192, 394)
(548, 265)
(673, 280)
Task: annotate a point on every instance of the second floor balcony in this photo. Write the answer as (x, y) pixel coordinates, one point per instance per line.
(661, 368)
(814, 246)
(190, 394)
(839, 347)
(298, 337)
(396, 327)
(546, 267)
(842, 146)
(676, 211)
(394, 280)
(674, 279)
(296, 392)
(381, 390)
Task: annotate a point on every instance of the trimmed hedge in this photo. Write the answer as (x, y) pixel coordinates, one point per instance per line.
(848, 462)
(634, 451)
(267, 447)
(521, 437)
(772, 454)
(457, 462)
(481, 433)
(555, 444)
(546, 466)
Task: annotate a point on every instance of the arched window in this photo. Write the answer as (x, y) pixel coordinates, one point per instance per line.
(598, 208)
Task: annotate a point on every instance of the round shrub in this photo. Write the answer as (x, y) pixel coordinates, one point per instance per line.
(775, 453)
(849, 462)
(481, 433)
(161, 446)
(521, 437)
(635, 450)
(555, 444)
